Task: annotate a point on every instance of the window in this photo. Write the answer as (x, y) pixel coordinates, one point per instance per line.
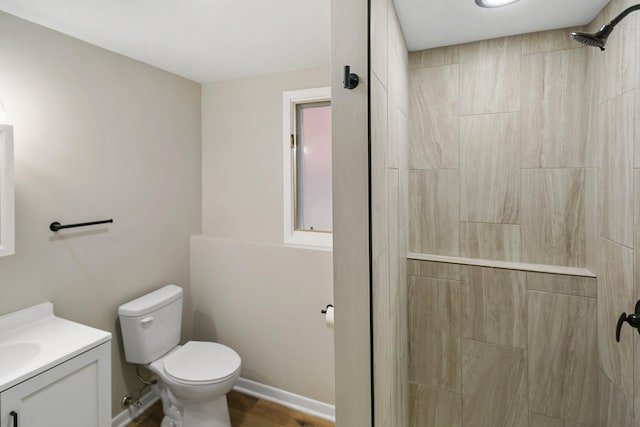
(307, 167)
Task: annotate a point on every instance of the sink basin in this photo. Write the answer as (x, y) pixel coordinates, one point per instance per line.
(14, 356)
(34, 340)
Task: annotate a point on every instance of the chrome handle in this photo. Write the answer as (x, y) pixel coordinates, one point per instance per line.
(14, 414)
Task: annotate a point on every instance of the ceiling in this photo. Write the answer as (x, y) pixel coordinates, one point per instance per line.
(434, 23)
(203, 40)
(214, 40)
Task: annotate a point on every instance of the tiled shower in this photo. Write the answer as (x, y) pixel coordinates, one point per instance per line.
(515, 193)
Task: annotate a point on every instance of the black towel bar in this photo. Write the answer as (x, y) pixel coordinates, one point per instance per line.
(55, 226)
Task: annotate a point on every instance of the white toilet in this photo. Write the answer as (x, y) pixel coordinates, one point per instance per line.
(194, 378)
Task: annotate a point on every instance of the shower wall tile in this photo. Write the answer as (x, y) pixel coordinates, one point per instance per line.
(537, 420)
(617, 70)
(489, 168)
(561, 284)
(435, 270)
(494, 306)
(553, 216)
(490, 241)
(490, 76)
(616, 295)
(379, 39)
(397, 132)
(433, 118)
(434, 333)
(398, 57)
(434, 57)
(379, 196)
(555, 114)
(614, 409)
(549, 41)
(433, 212)
(382, 351)
(494, 385)
(430, 407)
(563, 357)
(616, 174)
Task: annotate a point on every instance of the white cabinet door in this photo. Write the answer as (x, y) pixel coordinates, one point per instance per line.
(76, 393)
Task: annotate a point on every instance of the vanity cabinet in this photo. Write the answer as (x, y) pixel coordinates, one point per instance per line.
(53, 372)
(74, 393)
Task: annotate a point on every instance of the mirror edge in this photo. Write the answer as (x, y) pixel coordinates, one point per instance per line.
(7, 192)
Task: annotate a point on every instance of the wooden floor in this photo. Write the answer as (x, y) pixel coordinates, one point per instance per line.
(245, 411)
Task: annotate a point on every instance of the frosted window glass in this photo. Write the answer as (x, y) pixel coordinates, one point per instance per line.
(313, 167)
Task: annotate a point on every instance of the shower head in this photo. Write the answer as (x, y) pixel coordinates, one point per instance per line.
(599, 38)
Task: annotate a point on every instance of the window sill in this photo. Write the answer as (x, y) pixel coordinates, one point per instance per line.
(310, 240)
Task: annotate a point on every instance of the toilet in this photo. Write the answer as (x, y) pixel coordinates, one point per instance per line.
(193, 379)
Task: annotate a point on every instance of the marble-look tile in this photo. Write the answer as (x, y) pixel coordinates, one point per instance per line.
(494, 391)
(616, 295)
(398, 58)
(436, 270)
(636, 281)
(382, 338)
(490, 241)
(489, 168)
(379, 39)
(430, 407)
(433, 212)
(433, 118)
(617, 71)
(398, 124)
(553, 216)
(537, 420)
(563, 357)
(434, 333)
(592, 234)
(555, 110)
(394, 252)
(401, 348)
(616, 174)
(494, 306)
(434, 57)
(379, 196)
(561, 284)
(614, 409)
(548, 41)
(490, 76)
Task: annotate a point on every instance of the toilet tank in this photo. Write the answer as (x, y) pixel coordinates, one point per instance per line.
(151, 324)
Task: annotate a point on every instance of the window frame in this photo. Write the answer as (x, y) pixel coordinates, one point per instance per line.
(320, 239)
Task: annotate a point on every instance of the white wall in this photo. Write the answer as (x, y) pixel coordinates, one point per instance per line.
(97, 136)
(250, 291)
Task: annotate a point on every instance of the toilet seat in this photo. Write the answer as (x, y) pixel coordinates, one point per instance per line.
(199, 362)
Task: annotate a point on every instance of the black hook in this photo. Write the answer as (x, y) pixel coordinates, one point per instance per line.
(351, 80)
(325, 310)
(633, 320)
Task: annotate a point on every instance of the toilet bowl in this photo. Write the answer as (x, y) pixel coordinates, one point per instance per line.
(193, 379)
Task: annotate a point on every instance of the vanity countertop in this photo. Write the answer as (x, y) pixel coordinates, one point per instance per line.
(35, 339)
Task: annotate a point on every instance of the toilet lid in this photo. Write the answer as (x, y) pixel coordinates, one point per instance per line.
(202, 362)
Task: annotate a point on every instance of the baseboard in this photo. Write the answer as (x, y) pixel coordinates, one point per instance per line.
(294, 401)
(129, 414)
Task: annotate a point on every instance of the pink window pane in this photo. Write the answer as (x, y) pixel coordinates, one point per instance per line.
(314, 209)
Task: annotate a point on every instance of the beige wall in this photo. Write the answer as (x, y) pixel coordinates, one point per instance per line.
(389, 109)
(97, 136)
(521, 149)
(250, 291)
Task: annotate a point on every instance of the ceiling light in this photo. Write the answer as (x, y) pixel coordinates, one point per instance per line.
(494, 3)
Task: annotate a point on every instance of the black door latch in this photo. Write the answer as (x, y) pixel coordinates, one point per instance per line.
(633, 320)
